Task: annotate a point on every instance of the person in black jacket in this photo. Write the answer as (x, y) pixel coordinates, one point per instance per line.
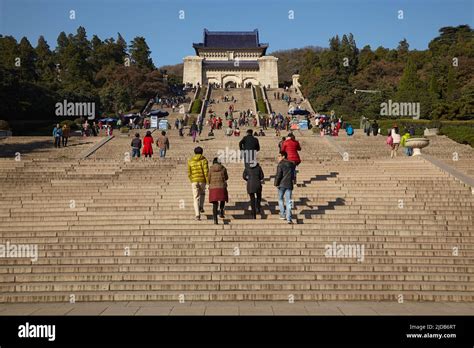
(249, 146)
(284, 181)
(193, 130)
(253, 174)
(375, 128)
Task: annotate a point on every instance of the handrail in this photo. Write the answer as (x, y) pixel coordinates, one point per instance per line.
(265, 98)
(205, 102)
(254, 94)
(198, 89)
(298, 91)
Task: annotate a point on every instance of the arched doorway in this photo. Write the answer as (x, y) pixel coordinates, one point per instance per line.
(230, 84)
(213, 82)
(249, 82)
(231, 81)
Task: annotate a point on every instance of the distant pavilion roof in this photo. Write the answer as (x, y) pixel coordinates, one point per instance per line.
(230, 40)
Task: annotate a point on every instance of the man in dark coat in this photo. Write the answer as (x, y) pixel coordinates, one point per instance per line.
(375, 128)
(284, 181)
(253, 174)
(249, 146)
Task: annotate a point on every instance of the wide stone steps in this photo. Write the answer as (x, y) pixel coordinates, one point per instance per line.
(251, 285)
(326, 295)
(240, 268)
(235, 276)
(145, 207)
(244, 101)
(369, 251)
(242, 259)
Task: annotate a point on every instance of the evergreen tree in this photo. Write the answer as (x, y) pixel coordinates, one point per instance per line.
(403, 48)
(348, 54)
(334, 43)
(45, 66)
(76, 70)
(451, 85)
(120, 52)
(96, 58)
(366, 57)
(8, 52)
(140, 53)
(434, 88)
(27, 57)
(62, 42)
(408, 88)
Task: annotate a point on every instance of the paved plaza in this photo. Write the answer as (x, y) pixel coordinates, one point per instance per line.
(243, 308)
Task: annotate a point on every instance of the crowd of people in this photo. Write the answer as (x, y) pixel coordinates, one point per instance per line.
(170, 102)
(93, 129)
(395, 140)
(61, 135)
(331, 125)
(286, 98)
(146, 146)
(216, 178)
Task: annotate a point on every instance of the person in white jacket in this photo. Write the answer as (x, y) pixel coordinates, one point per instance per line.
(395, 133)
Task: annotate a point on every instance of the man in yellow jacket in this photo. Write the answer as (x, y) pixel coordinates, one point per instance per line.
(198, 174)
(408, 150)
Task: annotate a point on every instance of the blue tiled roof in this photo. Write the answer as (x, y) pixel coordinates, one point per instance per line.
(230, 39)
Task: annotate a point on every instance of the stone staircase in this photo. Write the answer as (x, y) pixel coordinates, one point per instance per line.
(243, 96)
(112, 230)
(280, 106)
(179, 111)
(361, 146)
(41, 147)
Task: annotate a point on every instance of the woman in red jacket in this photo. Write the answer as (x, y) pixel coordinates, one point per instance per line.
(147, 145)
(291, 146)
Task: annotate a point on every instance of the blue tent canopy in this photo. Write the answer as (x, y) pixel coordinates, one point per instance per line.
(108, 119)
(159, 113)
(299, 112)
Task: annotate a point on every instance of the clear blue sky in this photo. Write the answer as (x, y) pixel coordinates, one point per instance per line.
(372, 22)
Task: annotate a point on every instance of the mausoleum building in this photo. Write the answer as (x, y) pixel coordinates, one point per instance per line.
(231, 58)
